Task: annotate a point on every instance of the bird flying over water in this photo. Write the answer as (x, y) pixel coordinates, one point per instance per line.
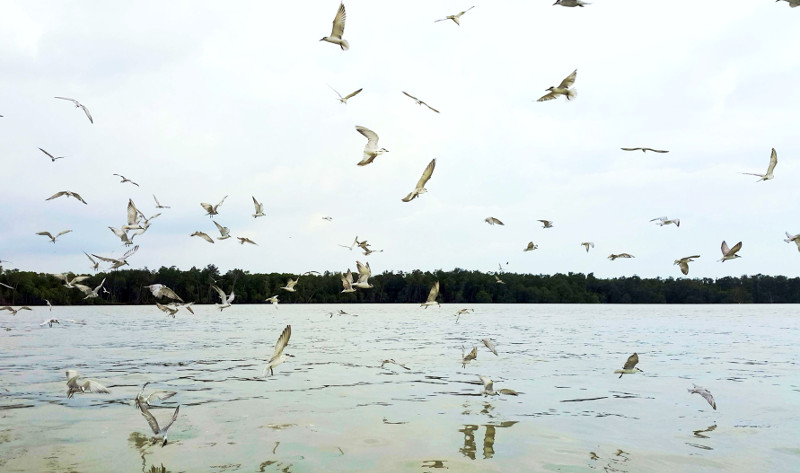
(456, 18)
(730, 253)
(493, 221)
(371, 150)
(773, 161)
(13, 310)
(466, 358)
(160, 290)
(225, 301)
(160, 432)
(274, 300)
(432, 295)
(125, 179)
(420, 187)
(490, 345)
(630, 366)
(212, 209)
(202, 235)
(344, 99)
(562, 89)
(644, 150)
(49, 323)
(68, 194)
(461, 312)
(277, 355)
(89, 292)
(79, 105)
(338, 29)
(52, 158)
(684, 263)
(51, 237)
(77, 384)
(695, 389)
(419, 102)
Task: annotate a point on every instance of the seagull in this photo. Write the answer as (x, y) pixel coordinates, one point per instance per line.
(69, 283)
(51, 237)
(571, 3)
(419, 102)
(347, 282)
(49, 322)
(224, 232)
(630, 366)
(78, 105)
(490, 345)
(91, 293)
(13, 310)
(76, 384)
(141, 399)
(456, 18)
(212, 209)
(68, 194)
(273, 299)
(244, 240)
(612, 256)
(122, 235)
(158, 431)
(392, 362)
(469, 356)
(432, 296)
(158, 204)
(562, 89)
(259, 208)
(588, 244)
(420, 187)
(730, 253)
(160, 290)
(202, 235)
(531, 246)
(546, 223)
(792, 3)
(493, 221)
(793, 238)
(225, 301)
(644, 150)
(338, 29)
(118, 263)
(95, 264)
(277, 356)
(290, 284)
(52, 158)
(461, 312)
(684, 263)
(343, 100)
(773, 161)
(371, 150)
(498, 280)
(666, 221)
(364, 273)
(125, 179)
(705, 393)
(488, 386)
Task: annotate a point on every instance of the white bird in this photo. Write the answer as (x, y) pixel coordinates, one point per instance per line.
(52, 158)
(493, 221)
(224, 232)
(644, 150)
(695, 389)
(274, 300)
(158, 204)
(49, 322)
(562, 89)
(160, 432)
(51, 237)
(244, 240)
(95, 264)
(212, 209)
(490, 345)
(531, 246)
(69, 283)
(420, 187)
(347, 282)
(169, 310)
(792, 3)
(76, 384)
(122, 235)
(571, 3)
(456, 18)
(587, 245)
(432, 296)
(466, 358)
(684, 263)
(327, 218)
(773, 161)
(49, 305)
(141, 399)
(79, 105)
(118, 263)
(225, 301)
(13, 310)
(371, 150)
(666, 221)
(418, 101)
(160, 290)
(277, 356)
(202, 235)
(730, 253)
(364, 273)
(290, 284)
(793, 238)
(461, 312)
(343, 100)
(259, 208)
(125, 179)
(391, 361)
(91, 293)
(68, 194)
(630, 366)
(488, 386)
(546, 223)
(613, 256)
(498, 280)
(338, 29)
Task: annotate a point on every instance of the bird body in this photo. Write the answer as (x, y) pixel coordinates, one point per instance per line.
(466, 358)
(498, 280)
(259, 208)
(666, 221)
(224, 232)
(730, 253)
(571, 3)
(371, 150)
(338, 29)
(773, 161)
(212, 209)
(644, 150)
(488, 386)
(420, 187)
(630, 366)
(50, 322)
(562, 89)
(587, 245)
(91, 293)
(274, 300)
(490, 345)
(461, 312)
(290, 284)
(277, 355)
(456, 18)
(225, 301)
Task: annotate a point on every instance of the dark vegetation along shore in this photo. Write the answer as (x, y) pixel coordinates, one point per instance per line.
(457, 286)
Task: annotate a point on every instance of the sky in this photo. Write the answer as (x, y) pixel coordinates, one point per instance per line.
(198, 100)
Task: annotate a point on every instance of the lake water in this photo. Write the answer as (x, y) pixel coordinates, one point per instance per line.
(331, 408)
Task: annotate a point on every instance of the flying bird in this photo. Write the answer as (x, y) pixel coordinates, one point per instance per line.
(68, 194)
(666, 221)
(13, 310)
(122, 234)
(562, 89)
(364, 273)
(490, 345)
(95, 264)
(391, 361)
(630, 366)
(160, 290)
(49, 323)
(202, 235)
(274, 300)
(546, 223)
(344, 99)
(69, 283)
(488, 386)
(169, 310)
(420, 187)
(125, 179)
(224, 232)
(141, 399)
(371, 150)
(493, 221)
(225, 301)
(290, 284)
(160, 432)
(461, 312)
(52, 158)
(79, 105)
(338, 29)
(212, 209)
(158, 204)
(644, 150)
(51, 237)
(773, 161)
(259, 208)
(587, 245)
(419, 102)
(432, 296)
(456, 18)
(730, 253)
(328, 219)
(531, 246)
(119, 262)
(695, 389)
(347, 282)
(571, 3)
(684, 263)
(792, 4)
(277, 356)
(612, 256)
(793, 238)
(466, 358)
(77, 384)
(89, 292)
(498, 280)
(244, 240)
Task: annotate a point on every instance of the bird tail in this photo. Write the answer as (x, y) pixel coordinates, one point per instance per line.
(571, 94)
(345, 45)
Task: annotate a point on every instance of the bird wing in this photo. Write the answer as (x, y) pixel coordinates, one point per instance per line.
(57, 194)
(221, 293)
(283, 340)
(363, 269)
(490, 345)
(47, 234)
(159, 395)
(569, 80)
(725, 248)
(103, 258)
(426, 174)
(255, 203)
(71, 374)
(172, 421)
(773, 161)
(352, 94)
(203, 236)
(222, 230)
(338, 22)
(208, 207)
(632, 361)
(150, 419)
(409, 95)
(88, 115)
(48, 154)
(67, 98)
(630, 149)
(423, 103)
(546, 97)
(372, 137)
(167, 292)
(708, 397)
(94, 387)
(130, 252)
(133, 213)
(63, 233)
(434, 292)
(684, 265)
(497, 221)
(736, 248)
(487, 382)
(99, 285)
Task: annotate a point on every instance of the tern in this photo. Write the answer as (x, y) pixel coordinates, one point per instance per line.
(91, 293)
(613, 256)
(212, 209)
(327, 218)
(274, 300)
(546, 223)
(666, 221)
(684, 263)
(225, 301)
(562, 89)
(122, 234)
(773, 161)
(587, 245)
(420, 187)
(141, 399)
(338, 29)
(52, 158)
(490, 345)
(392, 362)
(69, 283)
(461, 312)
(571, 3)
(793, 238)
(364, 273)
(350, 247)
(224, 232)
(290, 284)
(49, 323)
(419, 102)
(488, 386)
(158, 431)
(158, 204)
(49, 305)
(68, 194)
(493, 221)
(125, 179)
(432, 296)
(347, 282)
(95, 264)
(277, 356)
(371, 150)
(118, 263)
(160, 290)
(344, 99)
(466, 358)
(259, 208)
(630, 366)
(695, 389)
(730, 253)
(51, 237)
(456, 18)
(644, 150)
(77, 384)
(13, 310)
(79, 105)
(243, 240)
(169, 310)
(498, 280)
(202, 235)
(531, 246)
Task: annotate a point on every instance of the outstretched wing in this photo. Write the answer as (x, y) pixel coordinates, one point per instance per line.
(736, 248)
(372, 137)
(338, 22)
(426, 174)
(283, 340)
(773, 161)
(632, 361)
(150, 419)
(221, 293)
(569, 80)
(434, 292)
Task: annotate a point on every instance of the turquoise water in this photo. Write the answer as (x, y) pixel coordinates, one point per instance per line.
(331, 407)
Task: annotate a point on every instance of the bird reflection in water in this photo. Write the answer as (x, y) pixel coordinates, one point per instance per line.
(434, 464)
(614, 464)
(699, 433)
(469, 449)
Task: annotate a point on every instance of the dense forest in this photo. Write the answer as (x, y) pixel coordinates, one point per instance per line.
(457, 286)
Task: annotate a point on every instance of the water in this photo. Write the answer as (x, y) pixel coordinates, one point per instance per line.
(330, 407)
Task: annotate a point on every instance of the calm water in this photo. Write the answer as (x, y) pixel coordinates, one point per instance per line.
(330, 407)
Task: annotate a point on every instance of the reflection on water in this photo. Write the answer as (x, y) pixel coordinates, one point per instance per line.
(469, 449)
(434, 464)
(274, 465)
(700, 434)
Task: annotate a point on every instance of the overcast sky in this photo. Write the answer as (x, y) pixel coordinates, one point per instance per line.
(198, 100)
